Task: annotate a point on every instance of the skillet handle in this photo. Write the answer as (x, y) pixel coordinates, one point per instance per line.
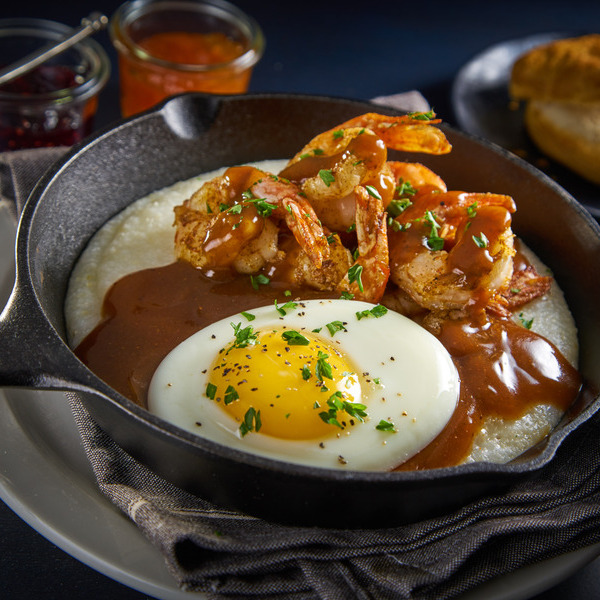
(32, 354)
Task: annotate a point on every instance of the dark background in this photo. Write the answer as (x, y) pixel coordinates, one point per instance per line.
(355, 50)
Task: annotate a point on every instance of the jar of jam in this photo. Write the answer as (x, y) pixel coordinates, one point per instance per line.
(170, 47)
(55, 104)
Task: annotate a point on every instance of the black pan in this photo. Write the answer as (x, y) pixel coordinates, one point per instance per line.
(193, 133)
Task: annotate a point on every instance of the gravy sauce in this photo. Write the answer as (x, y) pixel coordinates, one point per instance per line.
(504, 368)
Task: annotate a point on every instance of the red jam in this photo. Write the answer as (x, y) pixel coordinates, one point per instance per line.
(32, 124)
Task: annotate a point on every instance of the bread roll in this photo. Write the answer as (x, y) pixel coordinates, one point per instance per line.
(560, 83)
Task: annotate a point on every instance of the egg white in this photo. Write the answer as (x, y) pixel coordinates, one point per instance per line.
(417, 387)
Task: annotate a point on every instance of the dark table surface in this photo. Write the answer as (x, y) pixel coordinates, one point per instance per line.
(354, 50)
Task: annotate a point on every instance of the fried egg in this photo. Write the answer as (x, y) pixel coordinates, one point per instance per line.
(328, 383)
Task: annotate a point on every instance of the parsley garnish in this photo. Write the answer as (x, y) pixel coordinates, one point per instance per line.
(236, 209)
(259, 279)
(355, 274)
(327, 176)
(243, 337)
(323, 368)
(372, 191)
(336, 404)
(251, 421)
(335, 326)
(293, 338)
(386, 426)
(346, 296)
(397, 207)
(282, 310)
(527, 323)
(305, 372)
(211, 390)
(434, 241)
(422, 116)
(405, 188)
(263, 208)
(231, 395)
(339, 133)
(376, 311)
(481, 241)
(248, 316)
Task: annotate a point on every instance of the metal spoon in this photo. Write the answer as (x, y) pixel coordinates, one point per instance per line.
(96, 21)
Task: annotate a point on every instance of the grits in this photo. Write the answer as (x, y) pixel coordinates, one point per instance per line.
(122, 246)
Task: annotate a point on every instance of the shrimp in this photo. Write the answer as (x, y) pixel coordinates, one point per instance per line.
(416, 175)
(367, 278)
(330, 167)
(234, 220)
(452, 250)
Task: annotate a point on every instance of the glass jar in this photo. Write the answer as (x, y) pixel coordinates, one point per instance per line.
(174, 46)
(55, 104)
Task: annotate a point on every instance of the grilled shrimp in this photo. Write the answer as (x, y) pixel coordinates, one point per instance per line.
(233, 220)
(451, 250)
(330, 167)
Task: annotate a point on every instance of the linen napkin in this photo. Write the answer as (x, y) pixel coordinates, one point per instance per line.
(229, 556)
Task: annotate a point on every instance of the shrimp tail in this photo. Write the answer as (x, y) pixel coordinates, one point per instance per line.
(414, 132)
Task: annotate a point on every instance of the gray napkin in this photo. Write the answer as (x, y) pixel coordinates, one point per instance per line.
(228, 555)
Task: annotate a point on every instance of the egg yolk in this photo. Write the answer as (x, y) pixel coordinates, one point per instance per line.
(287, 384)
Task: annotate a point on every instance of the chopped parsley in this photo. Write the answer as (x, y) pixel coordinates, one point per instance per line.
(398, 206)
(293, 338)
(336, 403)
(263, 208)
(372, 191)
(251, 421)
(327, 176)
(323, 368)
(231, 395)
(386, 426)
(211, 391)
(335, 326)
(282, 310)
(405, 188)
(248, 316)
(355, 274)
(527, 323)
(481, 240)
(434, 241)
(422, 116)
(259, 279)
(243, 337)
(376, 311)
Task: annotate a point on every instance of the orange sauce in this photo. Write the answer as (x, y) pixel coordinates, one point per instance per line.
(144, 84)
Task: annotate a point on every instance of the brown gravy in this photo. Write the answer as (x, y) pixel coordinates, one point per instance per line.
(504, 369)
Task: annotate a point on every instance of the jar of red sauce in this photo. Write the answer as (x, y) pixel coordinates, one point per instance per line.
(55, 104)
(167, 47)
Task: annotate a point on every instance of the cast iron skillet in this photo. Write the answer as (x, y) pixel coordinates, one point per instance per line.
(193, 133)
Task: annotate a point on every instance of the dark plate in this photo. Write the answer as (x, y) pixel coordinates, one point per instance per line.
(482, 107)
